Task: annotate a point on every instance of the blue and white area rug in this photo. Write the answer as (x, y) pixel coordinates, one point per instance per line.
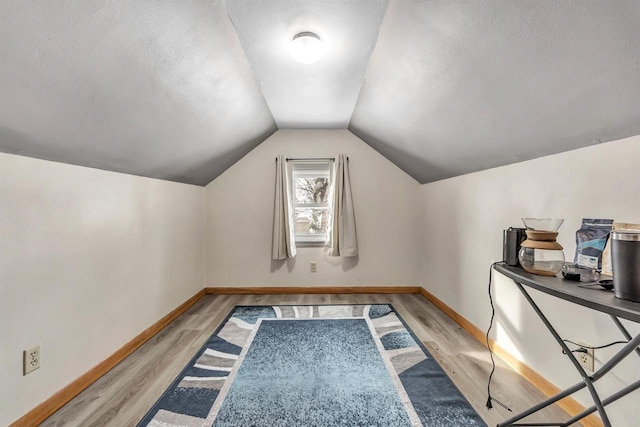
(326, 365)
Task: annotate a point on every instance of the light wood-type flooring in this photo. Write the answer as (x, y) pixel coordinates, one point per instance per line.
(122, 396)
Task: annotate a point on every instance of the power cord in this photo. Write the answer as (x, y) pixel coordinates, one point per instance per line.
(493, 362)
(584, 347)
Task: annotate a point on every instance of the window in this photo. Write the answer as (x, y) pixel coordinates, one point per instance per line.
(311, 200)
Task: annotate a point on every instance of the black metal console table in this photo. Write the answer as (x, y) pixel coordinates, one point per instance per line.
(604, 302)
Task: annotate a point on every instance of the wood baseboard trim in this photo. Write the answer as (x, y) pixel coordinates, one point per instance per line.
(570, 405)
(287, 290)
(59, 399)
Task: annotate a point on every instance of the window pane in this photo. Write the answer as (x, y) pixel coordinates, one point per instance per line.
(311, 220)
(311, 190)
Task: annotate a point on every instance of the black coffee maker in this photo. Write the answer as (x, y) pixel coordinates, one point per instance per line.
(512, 238)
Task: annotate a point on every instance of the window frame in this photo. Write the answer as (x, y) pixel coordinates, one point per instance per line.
(316, 168)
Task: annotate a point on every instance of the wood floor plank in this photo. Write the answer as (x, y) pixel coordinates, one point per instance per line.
(125, 394)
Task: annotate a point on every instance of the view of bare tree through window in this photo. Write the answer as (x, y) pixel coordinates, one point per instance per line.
(311, 210)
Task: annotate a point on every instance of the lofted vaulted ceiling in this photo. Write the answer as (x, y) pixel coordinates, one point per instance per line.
(180, 90)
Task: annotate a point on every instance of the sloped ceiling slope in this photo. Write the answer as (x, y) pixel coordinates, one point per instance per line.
(154, 88)
(180, 90)
(457, 86)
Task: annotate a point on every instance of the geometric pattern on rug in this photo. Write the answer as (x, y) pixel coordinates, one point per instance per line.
(316, 365)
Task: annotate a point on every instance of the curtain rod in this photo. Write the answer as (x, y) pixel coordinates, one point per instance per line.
(310, 158)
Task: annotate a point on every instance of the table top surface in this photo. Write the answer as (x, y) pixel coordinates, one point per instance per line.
(594, 298)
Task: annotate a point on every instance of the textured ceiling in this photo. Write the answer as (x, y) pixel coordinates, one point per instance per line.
(460, 86)
(154, 88)
(180, 90)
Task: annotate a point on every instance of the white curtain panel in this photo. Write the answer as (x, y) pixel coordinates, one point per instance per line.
(284, 244)
(341, 236)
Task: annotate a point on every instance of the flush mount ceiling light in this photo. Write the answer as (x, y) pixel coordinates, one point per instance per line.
(306, 47)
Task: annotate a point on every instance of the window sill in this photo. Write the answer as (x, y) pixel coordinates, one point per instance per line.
(309, 244)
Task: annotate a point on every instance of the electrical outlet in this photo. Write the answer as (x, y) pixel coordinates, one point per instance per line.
(586, 359)
(313, 267)
(31, 359)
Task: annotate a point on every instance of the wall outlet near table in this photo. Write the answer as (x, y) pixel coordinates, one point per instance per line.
(585, 357)
(313, 267)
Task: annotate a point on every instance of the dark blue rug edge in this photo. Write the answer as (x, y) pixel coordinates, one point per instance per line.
(156, 406)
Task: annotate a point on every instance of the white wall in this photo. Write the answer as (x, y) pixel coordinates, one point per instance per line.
(88, 259)
(239, 218)
(463, 222)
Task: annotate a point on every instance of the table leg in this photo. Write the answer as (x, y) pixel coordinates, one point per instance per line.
(544, 404)
(617, 358)
(624, 331)
(615, 396)
(585, 378)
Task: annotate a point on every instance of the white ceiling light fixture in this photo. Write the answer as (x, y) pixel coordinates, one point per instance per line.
(306, 47)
